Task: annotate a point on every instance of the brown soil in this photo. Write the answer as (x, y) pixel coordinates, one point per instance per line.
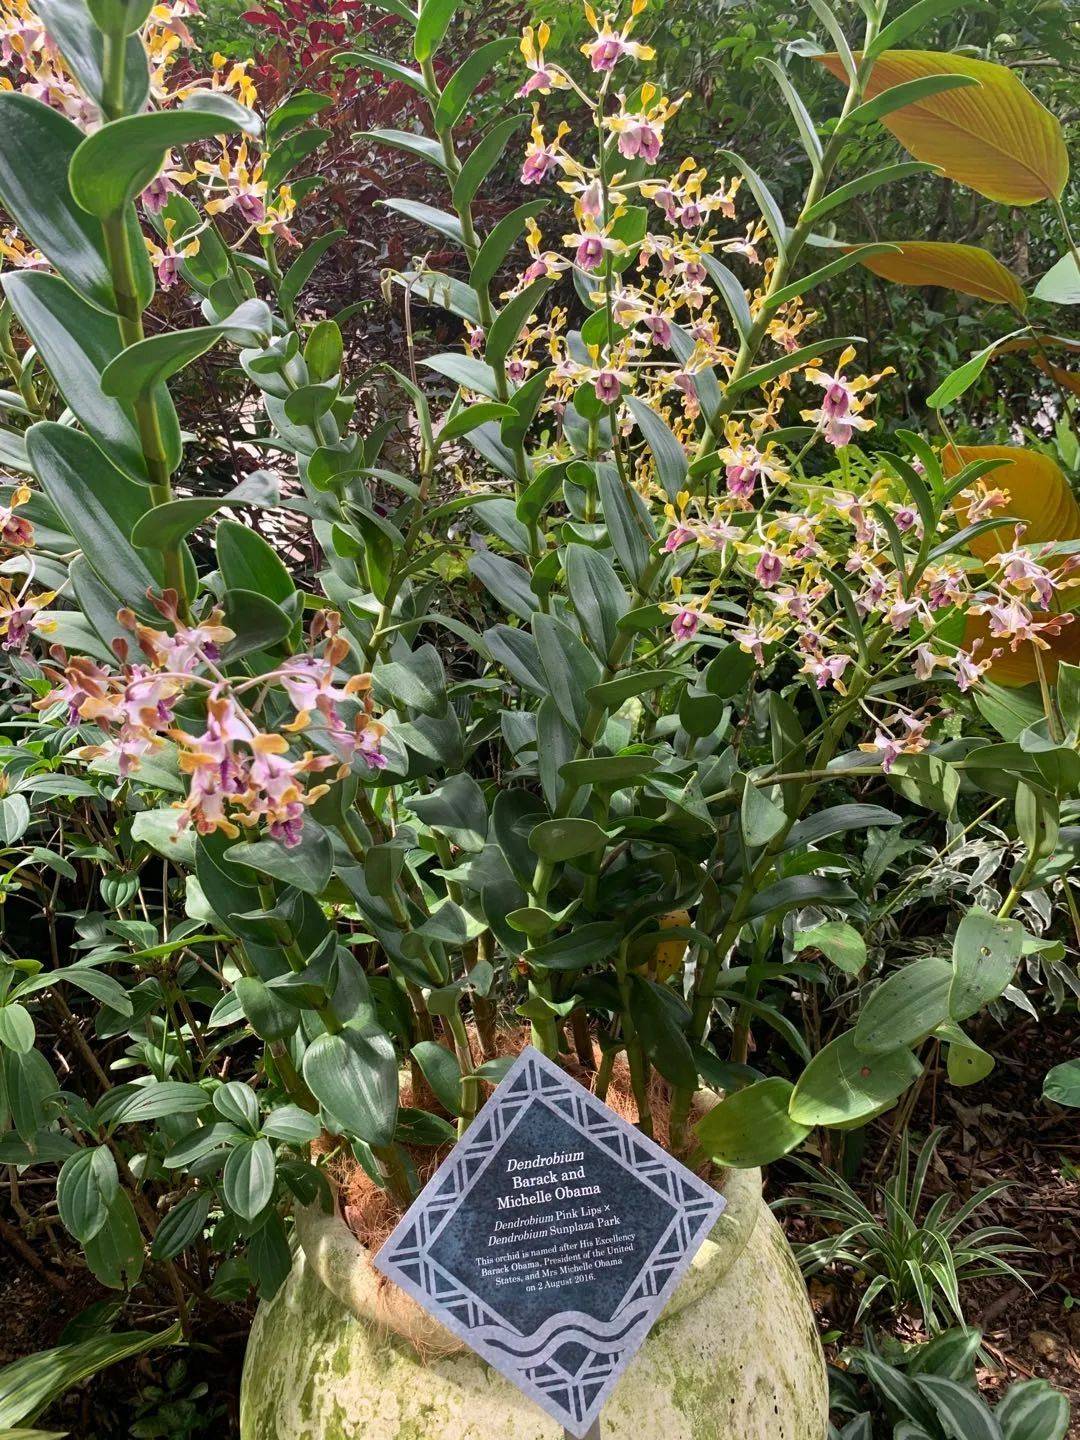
(999, 1129)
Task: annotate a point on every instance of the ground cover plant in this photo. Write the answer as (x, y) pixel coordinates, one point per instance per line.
(628, 683)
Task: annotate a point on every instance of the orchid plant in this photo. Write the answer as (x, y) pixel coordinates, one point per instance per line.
(584, 785)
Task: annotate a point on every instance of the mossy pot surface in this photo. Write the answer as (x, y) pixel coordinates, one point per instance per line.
(339, 1354)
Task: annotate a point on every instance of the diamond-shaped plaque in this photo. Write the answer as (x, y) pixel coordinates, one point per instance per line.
(551, 1238)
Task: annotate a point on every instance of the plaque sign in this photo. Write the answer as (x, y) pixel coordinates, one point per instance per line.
(551, 1238)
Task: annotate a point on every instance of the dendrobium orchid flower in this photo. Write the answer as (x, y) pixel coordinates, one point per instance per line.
(591, 244)
(640, 132)
(168, 258)
(609, 45)
(543, 78)
(844, 400)
(16, 531)
(235, 183)
(541, 157)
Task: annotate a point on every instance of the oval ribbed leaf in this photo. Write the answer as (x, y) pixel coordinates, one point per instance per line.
(353, 1075)
(965, 268)
(844, 1084)
(752, 1126)
(115, 163)
(993, 136)
(1039, 495)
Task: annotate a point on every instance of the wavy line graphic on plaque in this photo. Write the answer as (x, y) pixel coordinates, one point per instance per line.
(546, 1341)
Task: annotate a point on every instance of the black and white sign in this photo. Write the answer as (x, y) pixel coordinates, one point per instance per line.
(551, 1238)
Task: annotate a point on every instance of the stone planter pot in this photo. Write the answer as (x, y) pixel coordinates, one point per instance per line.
(339, 1354)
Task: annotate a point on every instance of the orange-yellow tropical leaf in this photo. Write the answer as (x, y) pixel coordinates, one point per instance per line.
(966, 268)
(1038, 491)
(1038, 342)
(1067, 379)
(1019, 667)
(994, 136)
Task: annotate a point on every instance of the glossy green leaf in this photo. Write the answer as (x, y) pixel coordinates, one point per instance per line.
(441, 1071)
(119, 160)
(803, 123)
(908, 1005)
(661, 1033)
(247, 1182)
(899, 97)
(115, 1254)
(965, 1062)
(511, 319)
(353, 1075)
(247, 562)
(431, 26)
(986, 952)
(16, 1024)
(154, 1101)
(865, 183)
(1062, 1084)
(502, 236)
(613, 772)
(51, 313)
(760, 819)
(301, 105)
(752, 1126)
(165, 524)
(844, 1084)
(36, 146)
(270, 1017)
(85, 1190)
(732, 294)
(482, 158)
(30, 1084)
(840, 942)
(628, 521)
(570, 669)
(236, 1102)
(181, 1227)
(668, 454)
(101, 508)
(441, 221)
(306, 865)
(141, 367)
(14, 820)
(461, 84)
(566, 839)
(961, 379)
(795, 890)
(584, 945)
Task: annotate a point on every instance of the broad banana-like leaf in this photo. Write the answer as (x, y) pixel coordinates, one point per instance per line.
(965, 268)
(1039, 495)
(1013, 668)
(1067, 379)
(994, 136)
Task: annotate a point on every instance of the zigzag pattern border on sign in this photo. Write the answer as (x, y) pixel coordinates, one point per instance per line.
(573, 1394)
